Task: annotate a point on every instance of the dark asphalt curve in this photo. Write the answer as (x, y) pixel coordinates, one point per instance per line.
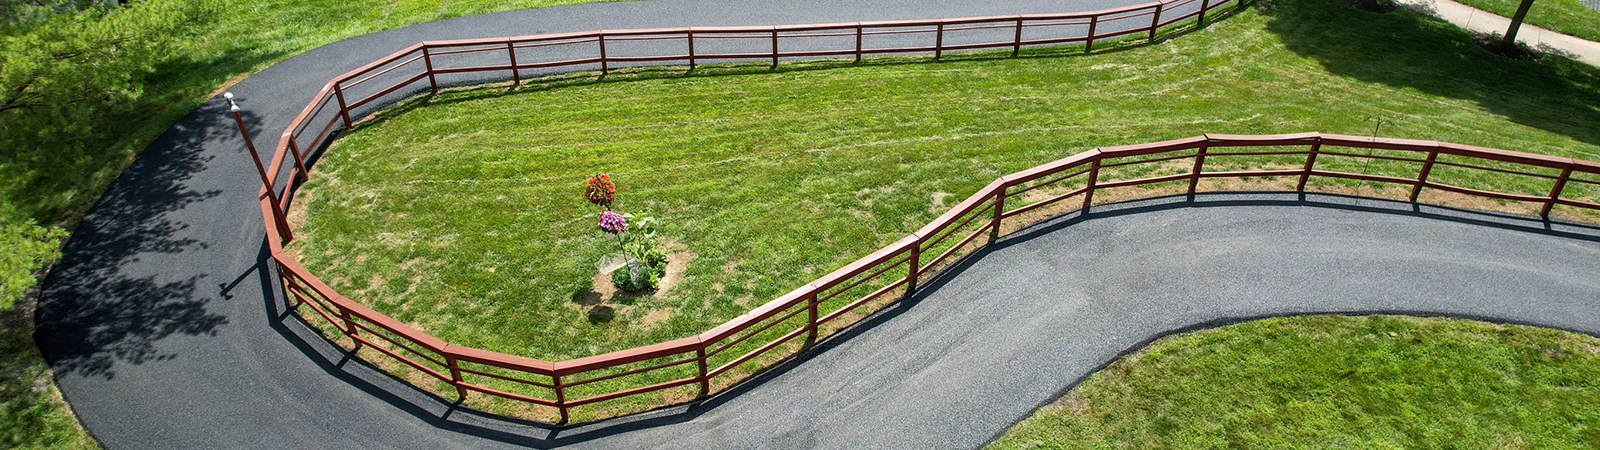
(164, 334)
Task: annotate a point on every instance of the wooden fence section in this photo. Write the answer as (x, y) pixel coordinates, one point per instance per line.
(797, 319)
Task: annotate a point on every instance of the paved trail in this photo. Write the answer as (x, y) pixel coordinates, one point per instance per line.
(162, 336)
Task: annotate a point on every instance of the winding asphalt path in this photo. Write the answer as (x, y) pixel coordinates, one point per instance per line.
(163, 334)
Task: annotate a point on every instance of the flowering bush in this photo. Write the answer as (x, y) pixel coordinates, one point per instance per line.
(613, 223)
(647, 258)
(600, 191)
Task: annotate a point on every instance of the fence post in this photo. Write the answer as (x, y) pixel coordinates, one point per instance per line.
(691, 48)
(1422, 178)
(1094, 176)
(705, 382)
(1194, 175)
(1311, 161)
(291, 299)
(349, 325)
(938, 42)
(278, 217)
(427, 60)
(561, 396)
(774, 48)
(1204, 5)
(915, 260)
(1088, 45)
(1016, 42)
(1555, 192)
(1155, 21)
(811, 319)
(344, 112)
(999, 213)
(858, 42)
(516, 75)
(604, 67)
(455, 375)
(299, 161)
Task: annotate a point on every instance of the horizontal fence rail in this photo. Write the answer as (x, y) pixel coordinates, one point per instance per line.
(796, 320)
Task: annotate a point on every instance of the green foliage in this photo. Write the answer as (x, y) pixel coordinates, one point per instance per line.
(65, 78)
(641, 245)
(1336, 382)
(635, 277)
(24, 248)
(32, 415)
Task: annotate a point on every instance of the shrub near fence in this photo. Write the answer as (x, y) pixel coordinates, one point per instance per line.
(712, 361)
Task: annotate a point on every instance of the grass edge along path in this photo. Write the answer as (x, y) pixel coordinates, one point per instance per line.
(1294, 36)
(1335, 381)
(1567, 17)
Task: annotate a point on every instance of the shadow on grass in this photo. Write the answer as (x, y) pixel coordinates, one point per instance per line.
(1411, 51)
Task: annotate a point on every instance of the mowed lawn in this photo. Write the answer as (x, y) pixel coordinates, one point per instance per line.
(1569, 17)
(461, 213)
(1336, 382)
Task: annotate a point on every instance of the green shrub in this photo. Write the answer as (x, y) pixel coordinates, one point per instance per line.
(71, 78)
(24, 248)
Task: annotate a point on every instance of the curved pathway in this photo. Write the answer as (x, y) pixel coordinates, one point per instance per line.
(162, 336)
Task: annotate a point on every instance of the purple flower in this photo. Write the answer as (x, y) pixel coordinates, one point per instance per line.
(613, 223)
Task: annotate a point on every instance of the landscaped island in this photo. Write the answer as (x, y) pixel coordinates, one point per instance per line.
(462, 213)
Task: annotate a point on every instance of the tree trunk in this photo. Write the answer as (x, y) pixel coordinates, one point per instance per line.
(1516, 23)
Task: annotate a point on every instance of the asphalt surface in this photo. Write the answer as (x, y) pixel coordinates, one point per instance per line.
(164, 333)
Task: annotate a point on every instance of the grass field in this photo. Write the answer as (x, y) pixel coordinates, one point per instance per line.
(1335, 382)
(1562, 16)
(460, 213)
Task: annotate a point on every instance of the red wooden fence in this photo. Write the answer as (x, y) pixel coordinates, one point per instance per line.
(833, 299)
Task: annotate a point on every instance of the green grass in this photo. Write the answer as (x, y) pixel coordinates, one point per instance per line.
(32, 414)
(1336, 382)
(54, 185)
(460, 213)
(1561, 16)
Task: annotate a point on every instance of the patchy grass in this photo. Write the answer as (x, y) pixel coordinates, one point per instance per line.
(460, 213)
(1336, 382)
(1562, 16)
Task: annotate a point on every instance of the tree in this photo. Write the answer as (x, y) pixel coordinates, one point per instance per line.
(69, 69)
(1516, 23)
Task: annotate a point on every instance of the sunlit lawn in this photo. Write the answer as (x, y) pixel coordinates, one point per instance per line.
(1336, 382)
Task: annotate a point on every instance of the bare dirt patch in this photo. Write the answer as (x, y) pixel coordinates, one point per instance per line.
(603, 301)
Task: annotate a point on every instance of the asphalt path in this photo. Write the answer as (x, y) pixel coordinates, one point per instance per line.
(164, 332)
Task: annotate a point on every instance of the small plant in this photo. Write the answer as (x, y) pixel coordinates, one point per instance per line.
(600, 191)
(613, 223)
(647, 258)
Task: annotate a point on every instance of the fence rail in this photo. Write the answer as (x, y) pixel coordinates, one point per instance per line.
(772, 330)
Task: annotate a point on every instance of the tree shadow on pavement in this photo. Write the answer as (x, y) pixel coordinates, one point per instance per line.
(104, 303)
